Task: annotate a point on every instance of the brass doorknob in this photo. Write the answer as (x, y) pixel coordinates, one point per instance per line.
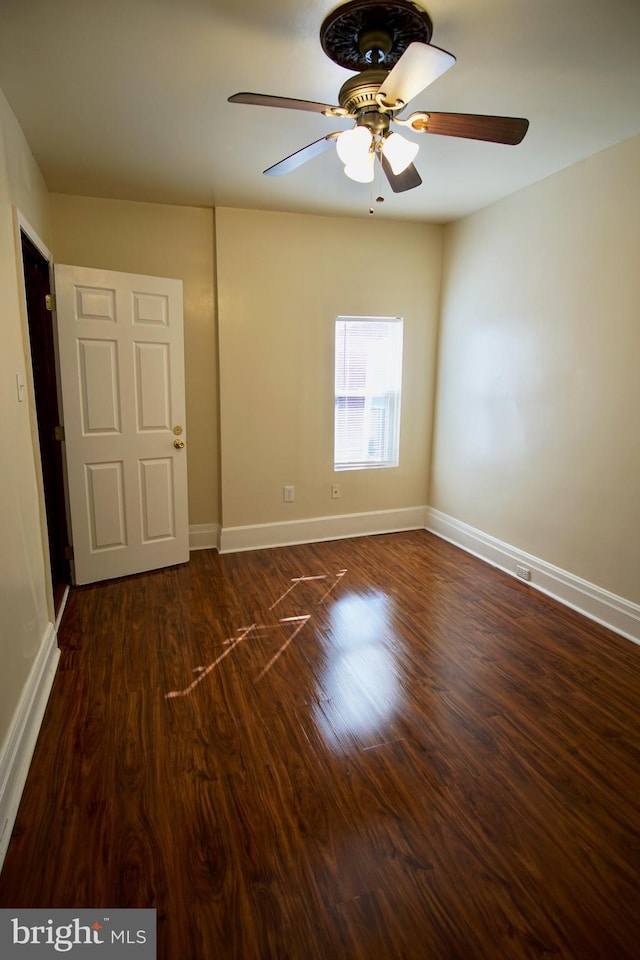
(178, 444)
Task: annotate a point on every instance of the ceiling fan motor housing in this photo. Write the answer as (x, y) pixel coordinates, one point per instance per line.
(359, 92)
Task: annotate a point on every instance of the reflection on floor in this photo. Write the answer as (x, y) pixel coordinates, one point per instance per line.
(297, 623)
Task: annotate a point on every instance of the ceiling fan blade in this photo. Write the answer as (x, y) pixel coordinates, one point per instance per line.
(265, 100)
(301, 156)
(510, 130)
(419, 65)
(400, 182)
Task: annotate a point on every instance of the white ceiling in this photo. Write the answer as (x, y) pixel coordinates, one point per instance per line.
(128, 98)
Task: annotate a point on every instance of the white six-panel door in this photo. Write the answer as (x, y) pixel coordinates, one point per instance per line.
(122, 383)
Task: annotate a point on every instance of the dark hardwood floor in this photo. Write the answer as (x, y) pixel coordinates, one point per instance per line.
(376, 749)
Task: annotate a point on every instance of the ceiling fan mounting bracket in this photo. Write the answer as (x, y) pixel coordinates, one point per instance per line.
(364, 34)
(418, 121)
(375, 46)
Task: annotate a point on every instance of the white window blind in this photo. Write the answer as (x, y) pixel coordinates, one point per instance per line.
(368, 379)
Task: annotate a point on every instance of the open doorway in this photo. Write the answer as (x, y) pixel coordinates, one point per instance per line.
(43, 360)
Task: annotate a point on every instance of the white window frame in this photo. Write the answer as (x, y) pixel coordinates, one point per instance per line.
(380, 392)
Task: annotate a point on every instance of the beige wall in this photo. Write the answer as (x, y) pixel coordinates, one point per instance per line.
(166, 241)
(282, 280)
(536, 437)
(25, 587)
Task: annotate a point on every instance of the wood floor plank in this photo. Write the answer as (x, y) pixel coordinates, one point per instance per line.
(377, 748)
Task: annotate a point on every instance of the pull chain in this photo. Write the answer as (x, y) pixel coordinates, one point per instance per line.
(379, 198)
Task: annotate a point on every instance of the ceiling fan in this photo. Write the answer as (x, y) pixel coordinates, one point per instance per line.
(388, 43)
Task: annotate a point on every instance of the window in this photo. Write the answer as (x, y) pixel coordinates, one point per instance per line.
(368, 377)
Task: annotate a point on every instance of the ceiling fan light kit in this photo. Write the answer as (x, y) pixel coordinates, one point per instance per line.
(355, 147)
(399, 151)
(388, 43)
(362, 170)
(354, 144)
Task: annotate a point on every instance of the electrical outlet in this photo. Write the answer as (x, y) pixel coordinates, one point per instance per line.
(524, 573)
(335, 491)
(288, 494)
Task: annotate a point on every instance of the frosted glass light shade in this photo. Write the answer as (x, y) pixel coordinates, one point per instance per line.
(361, 170)
(399, 151)
(353, 145)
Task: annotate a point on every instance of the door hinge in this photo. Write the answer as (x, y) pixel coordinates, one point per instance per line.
(59, 433)
(50, 302)
(68, 553)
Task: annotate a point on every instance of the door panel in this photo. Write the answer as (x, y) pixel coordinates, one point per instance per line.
(156, 499)
(152, 386)
(122, 373)
(98, 382)
(105, 505)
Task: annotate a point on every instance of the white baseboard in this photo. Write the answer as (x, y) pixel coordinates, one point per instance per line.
(204, 536)
(20, 743)
(315, 529)
(608, 609)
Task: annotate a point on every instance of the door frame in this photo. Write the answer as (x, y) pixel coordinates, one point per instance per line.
(22, 226)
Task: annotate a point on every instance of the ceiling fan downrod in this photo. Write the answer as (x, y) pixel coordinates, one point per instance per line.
(374, 45)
